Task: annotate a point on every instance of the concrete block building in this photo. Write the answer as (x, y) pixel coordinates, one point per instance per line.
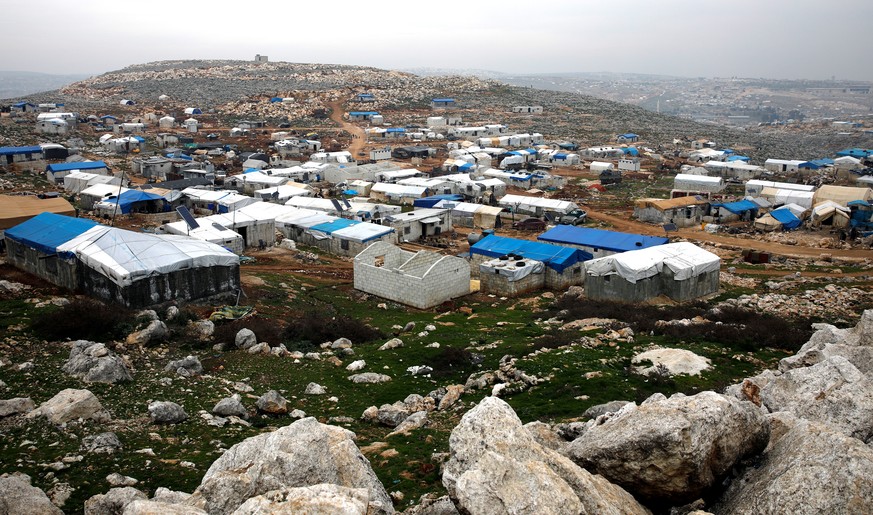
(421, 280)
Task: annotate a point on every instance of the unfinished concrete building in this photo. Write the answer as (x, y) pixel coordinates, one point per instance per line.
(421, 280)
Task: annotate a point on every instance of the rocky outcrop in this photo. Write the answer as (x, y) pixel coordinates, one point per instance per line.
(113, 502)
(70, 404)
(322, 498)
(305, 453)
(94, 363)
(854, 344)
(272, 402)
(185, 367)
(670, 451)
(497, 467)
(103, 443)
(15, 406)
(18, 497)
(811, 469)
(160, 508)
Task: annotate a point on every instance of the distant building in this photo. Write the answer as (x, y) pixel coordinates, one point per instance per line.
(261, 58)
(442, 103)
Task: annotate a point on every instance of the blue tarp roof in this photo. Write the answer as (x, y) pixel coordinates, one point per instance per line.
(568, 146)
(139, 138)
(858, 203)
(130, 197)
(811, 165)
(330, 227)
(854, 152)
(559, 155)
(396, 129)
(5, 151)
(631, 151)
(22, 104)
(350, 192)
(738, 207)
(443, 100)
(786, 217)
(738, 158)
(81, 165)
(179, 155)
(45, 231)
(823, 162)
(435, 199)
(105, 116)
(275, 99)
(600, 238)
(363, 113)
(628, 135)
(555, 257)
(365, 94)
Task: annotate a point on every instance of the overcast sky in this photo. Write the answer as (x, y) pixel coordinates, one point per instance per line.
(791, 39)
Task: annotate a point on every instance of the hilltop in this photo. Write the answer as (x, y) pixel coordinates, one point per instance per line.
(239, 89)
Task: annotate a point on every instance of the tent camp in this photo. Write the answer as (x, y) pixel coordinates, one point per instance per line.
(75, 182)
(535, 205)
(779, 196)
(780, 219)
(19, 208)
(211, 232)
(563, 265)
(132, 201)
(830, 213)
(842, 195)
(465, 214)
(682, 271)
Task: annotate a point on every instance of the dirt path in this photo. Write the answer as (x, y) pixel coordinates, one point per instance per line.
(359, 139)
(627, 225)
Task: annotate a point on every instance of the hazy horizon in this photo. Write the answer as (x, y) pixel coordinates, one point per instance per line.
(682, 38)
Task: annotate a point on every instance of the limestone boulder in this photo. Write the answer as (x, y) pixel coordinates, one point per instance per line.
(19, 497)
(245, 338)
(103, 443)
(114, 501)
(305, 453)
(496, 466)
(811, 469)
(185, 367)
(70, 404)
(833, 391)
(272, 402)
(94, 363)
(160, 508)
(369, 377)
(166, 412)
(603, 409)
(314, 389)
(231, 406)
(15, 406)
(672, 450)
(308, 500)
(155, 331)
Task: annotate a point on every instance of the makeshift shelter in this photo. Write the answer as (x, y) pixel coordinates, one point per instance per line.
(780, 219)
(536, 206)
(697, 184)
(55, 172)
(478, 216)
(95, 193)
(563, 264)
(681, 271)
(76, 182)
(15, 209)
(418, 224)
(385, 192)
(139, 269)
(207, 231)
(32, 246)
(421, 280)
(339, 236)
(281, 194)
(778, 197)
(830, 213)
(682, 211)
(744, 210)
(599, 242)
(841, 195)
(132, 201)
(755, 186)
(221, 201)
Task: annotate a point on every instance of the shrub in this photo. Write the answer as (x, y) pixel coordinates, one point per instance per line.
(265, 329)
(450, 360)
(84, 319)
(311, 329)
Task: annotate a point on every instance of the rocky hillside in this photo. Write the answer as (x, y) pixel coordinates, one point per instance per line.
(242, 88)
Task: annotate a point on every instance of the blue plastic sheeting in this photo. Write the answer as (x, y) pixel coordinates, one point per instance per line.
(600, 238)
(83, 165)
(350, 192)
(738, 207)
(128, 198)
(6, 151)
(465, 167)
(107, 117)
(330, 227)
(560, 155)
(363, 113)
(179, 155)
(822, 162)
(46, 231)
(738, 158)
(860, 153)
(275, 99)
(443, 100)
(436, 199)
(786, 218)
(858, 203)
(631, 151)
(555, 257)
(396, 129)
(629, 135)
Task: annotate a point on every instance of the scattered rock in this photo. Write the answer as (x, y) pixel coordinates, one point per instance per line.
(113, 502)
(341, 343)
(673, 361)
(419, 370)
(272, 402)
(160, 508)
(497, 467)
(60, 493)
(414, 421)
(202, 329)
(393, 343)
(103, 443)
(314, 389)
(245, 338)
(354, 366)
(369, 377)
(70, 404)
(165, 495)
(671, 450)
(452, 395)
(116, 479)
(230, 407)
(18, 497)
(171, 313)
(155, 331)
(408, 327)
(94, 363)
(15, 406)
(166, 412)
(603, 409)
(305, 453)
(321, 498)
(185, 367)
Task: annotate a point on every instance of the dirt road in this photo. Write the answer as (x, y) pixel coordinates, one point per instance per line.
(359, 137)
(624, 223)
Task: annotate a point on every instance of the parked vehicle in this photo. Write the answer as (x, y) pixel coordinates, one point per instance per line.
(530, 224)
(575, 217)
(610, 177)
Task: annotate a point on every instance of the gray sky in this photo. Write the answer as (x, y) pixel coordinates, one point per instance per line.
(813, 39)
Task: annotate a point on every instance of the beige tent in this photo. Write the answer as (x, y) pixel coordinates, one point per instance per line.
(17, 209)
(842, 195)
(830, 213)
(767, 223)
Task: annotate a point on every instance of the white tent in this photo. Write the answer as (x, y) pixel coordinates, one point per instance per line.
(77, 181)
(684, 259)
(536, 205)
(126, 256)
(213, 233)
